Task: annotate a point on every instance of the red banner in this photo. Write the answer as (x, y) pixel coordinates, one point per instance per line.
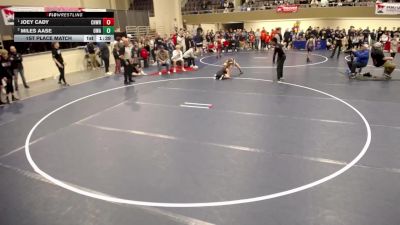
(287, 8)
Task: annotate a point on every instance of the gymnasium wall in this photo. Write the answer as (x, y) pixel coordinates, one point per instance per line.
(306, 13)
(74, 59)
(165, 11)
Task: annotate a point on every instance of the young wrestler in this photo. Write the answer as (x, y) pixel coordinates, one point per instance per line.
(310, 45)
(225, 72)
(233, 62)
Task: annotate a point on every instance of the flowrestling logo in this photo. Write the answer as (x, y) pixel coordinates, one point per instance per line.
(287, 8)
(8, 12)
(387, 8)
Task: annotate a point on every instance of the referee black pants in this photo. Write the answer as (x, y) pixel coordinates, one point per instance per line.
(62, 73)
(279, 66)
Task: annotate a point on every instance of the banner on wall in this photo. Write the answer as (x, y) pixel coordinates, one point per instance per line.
(8, 11)
(387, 8)
(287, 8)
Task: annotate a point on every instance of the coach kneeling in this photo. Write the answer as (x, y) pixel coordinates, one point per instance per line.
(379, 59)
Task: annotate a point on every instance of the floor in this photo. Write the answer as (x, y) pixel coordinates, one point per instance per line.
(315, 149)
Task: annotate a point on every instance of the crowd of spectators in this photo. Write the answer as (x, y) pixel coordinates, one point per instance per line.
(11, 68)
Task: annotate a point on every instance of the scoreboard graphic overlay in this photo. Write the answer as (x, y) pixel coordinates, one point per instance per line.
(64, 27)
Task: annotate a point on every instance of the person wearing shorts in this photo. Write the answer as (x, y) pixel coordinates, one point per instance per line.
(225, 72)
(177, 56)
(310, 45)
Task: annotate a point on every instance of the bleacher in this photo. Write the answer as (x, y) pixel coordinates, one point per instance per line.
(143, 5)
(215, 6)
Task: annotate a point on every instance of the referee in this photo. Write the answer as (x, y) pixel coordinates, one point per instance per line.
(278, 50)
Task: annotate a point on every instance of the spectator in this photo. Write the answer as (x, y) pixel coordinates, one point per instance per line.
(158, 41)
(105, 56)
(115, 52)
(204, 6)
(252, 39)
(6, 77)
(177, 56)
(18, 68)
(198, 40)
(267, 40)
(373, 37)
(394, 46)
(91, 49)
(188, 43)
(287, 38)
(170, 46)
(144, 54)
(136, 65)
(199, 30)
(58, 59)
(278, 35)
(263, 38)
(384, 38)
(190, 57)
(258, 38)
(379, 33)
(162, 58)
(181, 40)
(231, 6)
(366, 33)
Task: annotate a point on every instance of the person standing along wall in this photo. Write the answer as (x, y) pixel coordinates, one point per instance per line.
(59, 61)
(18, 68)
(6, 77)
(105, 56)
(115, 52)
(92, 55)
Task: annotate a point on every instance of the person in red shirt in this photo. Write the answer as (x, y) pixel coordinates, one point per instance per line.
(252, 39)
(144, 54)
(174, 39)
(267, 41)
(262, 37)
(225, 43)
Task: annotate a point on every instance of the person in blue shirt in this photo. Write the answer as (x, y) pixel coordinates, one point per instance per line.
(362, 57)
